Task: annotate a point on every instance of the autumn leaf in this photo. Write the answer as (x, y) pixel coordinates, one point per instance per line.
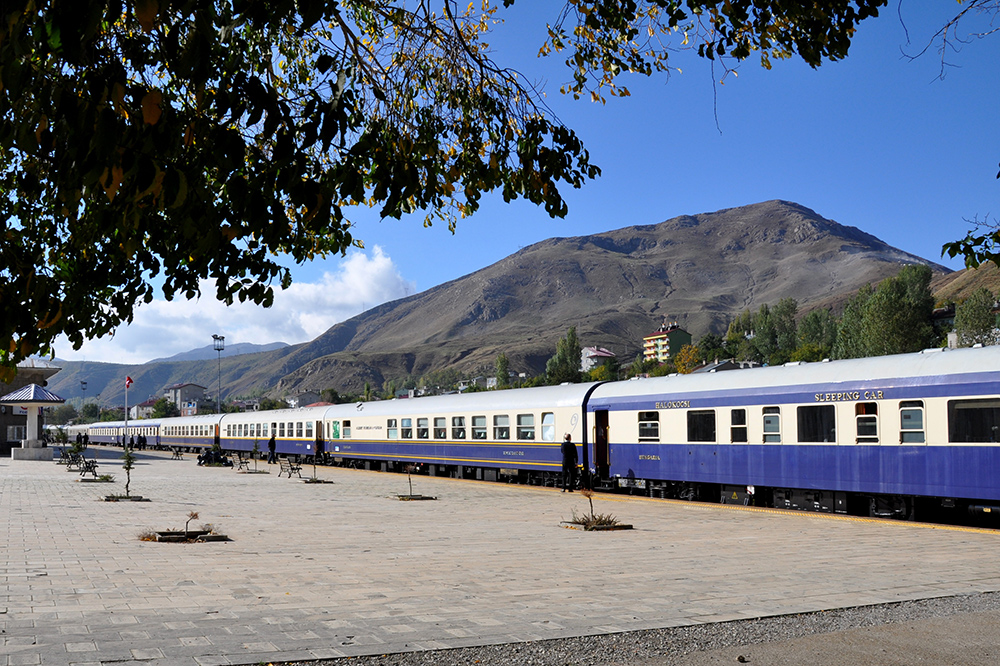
(151, 110)
(145, 14)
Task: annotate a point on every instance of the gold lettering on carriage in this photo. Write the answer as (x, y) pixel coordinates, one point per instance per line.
(674, 404)
(849, 396)
(513, 453)
(648, 457)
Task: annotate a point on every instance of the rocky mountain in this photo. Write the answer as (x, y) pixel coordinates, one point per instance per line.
(615, 287)
(208, 352)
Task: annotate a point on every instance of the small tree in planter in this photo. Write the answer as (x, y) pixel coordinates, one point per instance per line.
(129, 462)
(191, 516)
(596, 521)
(409, 467)
(255, 452)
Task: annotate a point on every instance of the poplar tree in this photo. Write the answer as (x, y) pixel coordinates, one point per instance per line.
(975, 322)
(565, 365)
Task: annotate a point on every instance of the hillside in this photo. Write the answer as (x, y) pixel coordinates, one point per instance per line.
(615, 287)
(958, 286)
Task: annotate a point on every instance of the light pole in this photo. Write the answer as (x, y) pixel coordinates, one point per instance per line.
(219, 344)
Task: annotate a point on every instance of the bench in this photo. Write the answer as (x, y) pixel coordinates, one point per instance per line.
(241, 462)
(74, 462)
(89, 466)
(177, 454)
(287, 466)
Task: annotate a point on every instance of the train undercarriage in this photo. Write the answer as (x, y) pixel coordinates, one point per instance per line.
(899, 507)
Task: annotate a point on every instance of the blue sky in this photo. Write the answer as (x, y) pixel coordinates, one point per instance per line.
(876, 141)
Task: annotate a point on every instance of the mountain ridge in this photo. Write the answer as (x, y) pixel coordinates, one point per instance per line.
(615, 287)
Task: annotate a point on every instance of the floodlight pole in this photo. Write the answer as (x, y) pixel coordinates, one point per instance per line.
(219, 342)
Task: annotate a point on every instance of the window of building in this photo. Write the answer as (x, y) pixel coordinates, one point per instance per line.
(501, 426)
(738, 425)
(478, 427)
(973, 420)
(458, 427)
(649, 426)
(406, 428)
(391, 431)
(817, 423)
(866, 415)
(772, 424)
(525, 426)
(911, 422)
(423, 429)
(701, 425)
(548, 427)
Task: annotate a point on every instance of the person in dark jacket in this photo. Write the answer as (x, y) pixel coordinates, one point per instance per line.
(271, 458)
(568, 463)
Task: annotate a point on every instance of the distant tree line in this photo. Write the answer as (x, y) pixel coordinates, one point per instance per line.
(894, 317)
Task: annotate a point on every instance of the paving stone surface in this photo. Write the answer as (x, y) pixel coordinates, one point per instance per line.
(337, 569)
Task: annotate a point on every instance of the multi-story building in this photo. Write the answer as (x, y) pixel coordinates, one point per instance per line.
(143, 410)
(666, 342)
(591, 357)
(185, 396)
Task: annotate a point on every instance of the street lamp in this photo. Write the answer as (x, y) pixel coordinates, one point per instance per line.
(219, 344)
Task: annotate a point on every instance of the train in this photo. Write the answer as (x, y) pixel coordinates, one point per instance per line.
(904, 436)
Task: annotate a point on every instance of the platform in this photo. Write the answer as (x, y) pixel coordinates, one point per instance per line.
(345, 568)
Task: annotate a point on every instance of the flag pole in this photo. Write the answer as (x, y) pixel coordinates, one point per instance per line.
(128, 380)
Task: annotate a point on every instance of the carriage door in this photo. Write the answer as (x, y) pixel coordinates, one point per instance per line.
(601, 459)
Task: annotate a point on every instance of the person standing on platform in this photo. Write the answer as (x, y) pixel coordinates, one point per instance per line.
(569, 460)
(271, 457)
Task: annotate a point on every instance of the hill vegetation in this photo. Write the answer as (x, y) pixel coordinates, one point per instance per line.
(704, 271)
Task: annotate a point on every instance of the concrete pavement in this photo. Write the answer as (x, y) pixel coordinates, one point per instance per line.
(343, 568)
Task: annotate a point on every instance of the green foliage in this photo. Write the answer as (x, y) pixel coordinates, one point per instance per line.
(90, 412)
(128, 462)
(769, 336)
(113, 414)
(975, 322)
(502, 370)
(668, 367)
(810, 352)
(600, 373)
(164, 408)
(183, 142)
(818, 333)
(63, 414)
(565, 365)
(652, 368)
(712, 347)
(604, 39)
(893, 318)
(269, 404)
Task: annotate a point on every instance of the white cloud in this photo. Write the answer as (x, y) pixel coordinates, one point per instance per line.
(300, 313)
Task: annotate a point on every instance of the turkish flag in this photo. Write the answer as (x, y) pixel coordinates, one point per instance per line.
(128, 381)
